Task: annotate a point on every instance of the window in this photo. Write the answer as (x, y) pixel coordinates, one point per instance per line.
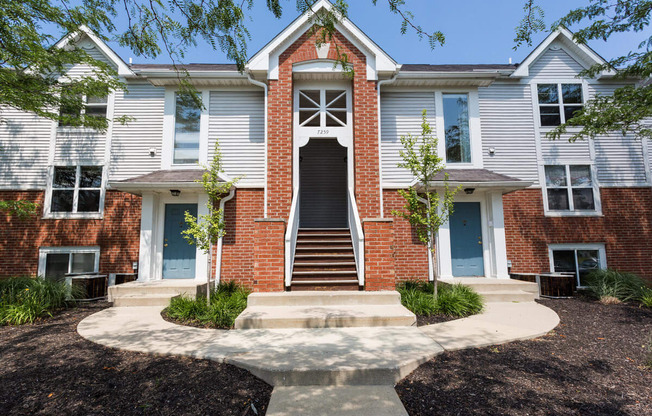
(558, 102)
(579, 259)
(323, 108)
(74, 106)
(76, 189)
(57, 262)
(570, 188)
(456, 128)
(187, 120)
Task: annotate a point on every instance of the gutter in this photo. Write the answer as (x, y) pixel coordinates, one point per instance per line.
(220, 243)
(265, 87)
(380, 143)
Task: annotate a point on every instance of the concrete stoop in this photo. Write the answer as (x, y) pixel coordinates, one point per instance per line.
(500, 290)
(324, 310)
(156, 293)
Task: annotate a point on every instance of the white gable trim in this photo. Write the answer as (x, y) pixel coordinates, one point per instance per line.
(267, 59)
(122, 67)
(586, 56)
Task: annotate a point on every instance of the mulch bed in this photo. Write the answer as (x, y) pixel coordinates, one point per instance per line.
(46, 368)
(591, 364)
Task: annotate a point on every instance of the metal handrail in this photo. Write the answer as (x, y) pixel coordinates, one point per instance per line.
(357, 236)
(291, 237)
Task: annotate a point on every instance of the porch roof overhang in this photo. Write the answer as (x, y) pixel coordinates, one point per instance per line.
(163, 181)
(480, 179)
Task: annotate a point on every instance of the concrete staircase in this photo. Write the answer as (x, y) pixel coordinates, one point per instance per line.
(324, 260)
(500, 290)
(155, 293)
(331, 309)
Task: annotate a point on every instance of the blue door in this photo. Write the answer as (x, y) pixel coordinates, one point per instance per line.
(466, 240)
(178, 255)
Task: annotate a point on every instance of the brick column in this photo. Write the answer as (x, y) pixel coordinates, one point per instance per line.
(269, 255)
(380, 268)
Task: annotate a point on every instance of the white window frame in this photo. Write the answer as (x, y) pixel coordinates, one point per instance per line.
(44, 251)
(599, 247)
(475, 128)
(167, 159)
(85, 104)
(535, 99)
(47, 204)
(571, 212)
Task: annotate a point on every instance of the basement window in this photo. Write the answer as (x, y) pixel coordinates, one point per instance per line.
(579, 259)
(57, 262)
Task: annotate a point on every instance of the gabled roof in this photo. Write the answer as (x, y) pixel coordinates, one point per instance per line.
(586, 56)
(267, 58)
(71, 38)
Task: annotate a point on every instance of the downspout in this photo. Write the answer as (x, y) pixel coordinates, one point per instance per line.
(218, 265)
(380, 144)
(263, 86)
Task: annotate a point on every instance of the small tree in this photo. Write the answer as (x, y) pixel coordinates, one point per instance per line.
(206, 230)
(427, 211)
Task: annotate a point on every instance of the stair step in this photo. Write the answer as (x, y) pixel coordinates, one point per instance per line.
(325, 256)
(320, 272)
(303, 243)
(325, 247)
(143, 300)
(323, 298)
(324, 229)
(325, 235)
(325, 264)
(509, 296)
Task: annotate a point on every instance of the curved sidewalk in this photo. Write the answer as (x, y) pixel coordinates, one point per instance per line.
(332, 356)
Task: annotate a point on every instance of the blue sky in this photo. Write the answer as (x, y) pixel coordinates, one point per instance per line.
(477, 31)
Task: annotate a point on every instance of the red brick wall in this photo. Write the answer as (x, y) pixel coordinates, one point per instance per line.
(239, 241)
(365, 129)
(410, 254)
(625, 228)
(117, 235)
(269, 256)
(380, 271)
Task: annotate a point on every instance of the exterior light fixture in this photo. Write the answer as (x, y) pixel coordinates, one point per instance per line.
(469, 191)
(175, 192)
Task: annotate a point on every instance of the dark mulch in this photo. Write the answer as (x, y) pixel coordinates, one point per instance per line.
(434, 319)
(48, 369)
(591, 364)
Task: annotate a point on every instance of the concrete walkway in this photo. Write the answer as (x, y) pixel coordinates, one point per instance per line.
(316, 361)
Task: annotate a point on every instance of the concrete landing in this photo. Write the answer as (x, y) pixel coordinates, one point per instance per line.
(341, 401)
(499, 290)
(154, 293)
(324, 310)
(342, 356)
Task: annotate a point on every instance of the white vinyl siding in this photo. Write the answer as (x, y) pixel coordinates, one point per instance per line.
(562, 149)
(619, 159)
(131, 142)
(508, 128)
(83, 70)
(24, 149)
(401, 114)
(237, 120)
(77, 144)
(555, 64)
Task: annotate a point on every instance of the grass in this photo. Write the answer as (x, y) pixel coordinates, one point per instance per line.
(611, 286)
(25, 299)
(228, 301)
(452, 300)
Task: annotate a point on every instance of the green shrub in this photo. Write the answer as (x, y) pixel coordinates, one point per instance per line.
(228, 301)
(612, 283)
(452, 300)
(646, 298)
(25, 299)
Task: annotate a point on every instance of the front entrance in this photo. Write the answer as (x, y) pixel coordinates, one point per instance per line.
(179, 257)
(466, 240)
(323, 182)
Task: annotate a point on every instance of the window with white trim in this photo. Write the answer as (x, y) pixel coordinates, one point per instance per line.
(456, 128)
(82, 106)
(187, 125)
(56, 263)
(558, 102)
(579, 259)
(323, 108)
(570, 188)
(76, 189)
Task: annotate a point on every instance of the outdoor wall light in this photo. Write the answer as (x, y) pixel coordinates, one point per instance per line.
(175, 192)
(469, 191)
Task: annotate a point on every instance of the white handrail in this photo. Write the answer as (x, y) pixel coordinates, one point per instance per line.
(357, 236)
(291, 237)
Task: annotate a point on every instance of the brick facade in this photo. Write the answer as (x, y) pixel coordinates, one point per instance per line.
(269, 256)
(625, 228)
(380, 267)
(117, 235)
